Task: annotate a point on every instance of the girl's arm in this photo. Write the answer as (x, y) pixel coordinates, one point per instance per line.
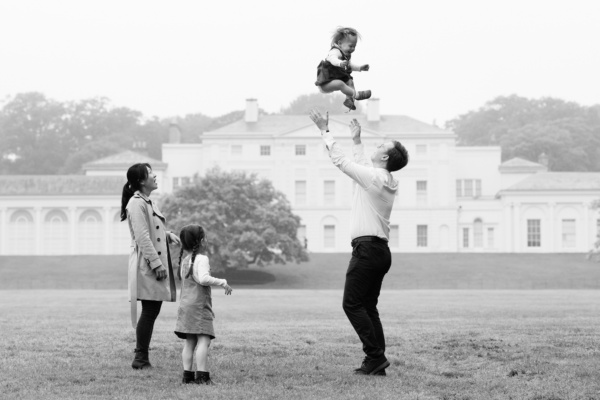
(202, 273)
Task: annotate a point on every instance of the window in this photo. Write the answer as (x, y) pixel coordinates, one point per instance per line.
(90, 233)
(300, 149)
(569, 234)
(300, 192)
(490, 238)
(329, 192)
(175, 183)
(265, 150)
(534, 233)
(22, 230)
(236, 149)
(56, 233)
(468, 187)
(465, 238)
(329, 236)
(185, 181)
(421, 192)
(478, 233)
(421, 149)
(421, 235)
(394, 236)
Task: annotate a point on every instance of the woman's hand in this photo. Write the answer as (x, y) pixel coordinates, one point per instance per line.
(161, 273)
(174, 239)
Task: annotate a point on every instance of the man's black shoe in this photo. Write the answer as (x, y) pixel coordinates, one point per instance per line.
(373, 366)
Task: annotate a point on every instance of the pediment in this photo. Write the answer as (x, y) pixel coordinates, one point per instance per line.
(338, 129)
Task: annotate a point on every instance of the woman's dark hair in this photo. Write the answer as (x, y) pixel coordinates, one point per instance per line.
(135, 175)
(191, 237)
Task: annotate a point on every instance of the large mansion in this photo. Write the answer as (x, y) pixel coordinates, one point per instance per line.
(450, 199)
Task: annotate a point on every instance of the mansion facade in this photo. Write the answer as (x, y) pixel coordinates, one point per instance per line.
(450, 198)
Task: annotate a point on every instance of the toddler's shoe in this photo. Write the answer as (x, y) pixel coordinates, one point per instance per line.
(350, 104)
(203, 378)
(363, 95)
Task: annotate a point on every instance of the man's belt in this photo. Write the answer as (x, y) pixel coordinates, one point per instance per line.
(359, 239)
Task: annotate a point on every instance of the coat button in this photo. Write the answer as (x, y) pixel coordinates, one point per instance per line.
(157, 227)
(159, 253)
(158, 240)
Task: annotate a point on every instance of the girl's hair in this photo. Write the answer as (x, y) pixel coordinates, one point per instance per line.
(135, 175)
(342, 33)
(191, 238)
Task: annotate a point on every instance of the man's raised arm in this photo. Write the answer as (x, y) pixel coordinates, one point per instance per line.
(362, 174)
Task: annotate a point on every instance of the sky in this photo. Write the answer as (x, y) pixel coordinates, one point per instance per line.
(430, 60)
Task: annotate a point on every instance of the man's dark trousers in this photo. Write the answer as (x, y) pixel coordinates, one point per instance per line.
(370, 261)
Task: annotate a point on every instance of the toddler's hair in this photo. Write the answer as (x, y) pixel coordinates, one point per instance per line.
(191, 236)
(342, 32)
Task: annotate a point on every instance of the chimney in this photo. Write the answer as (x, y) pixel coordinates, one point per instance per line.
(174, 132)
(373, 110)
(543, 159)
(251, 110)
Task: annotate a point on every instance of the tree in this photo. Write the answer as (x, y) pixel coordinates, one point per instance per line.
(247, 221)
(567, 132)
(332, 102)
(33, 138)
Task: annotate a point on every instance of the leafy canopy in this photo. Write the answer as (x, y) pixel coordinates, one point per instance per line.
(246, 220)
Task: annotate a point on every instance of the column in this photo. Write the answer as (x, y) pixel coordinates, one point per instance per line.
(3, 231)
(551, 239)
(517, 226)
(39, 240)
(588, 238)
(107, 236)
(73, 230)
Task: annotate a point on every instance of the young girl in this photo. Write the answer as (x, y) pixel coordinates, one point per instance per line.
(333, 73)
(195, 315)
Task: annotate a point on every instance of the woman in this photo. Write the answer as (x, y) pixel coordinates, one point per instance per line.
(151, 277)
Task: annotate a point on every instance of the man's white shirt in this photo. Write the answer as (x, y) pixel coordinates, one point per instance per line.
(374, 190)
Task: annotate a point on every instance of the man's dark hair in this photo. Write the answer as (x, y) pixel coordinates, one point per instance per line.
(398, 157)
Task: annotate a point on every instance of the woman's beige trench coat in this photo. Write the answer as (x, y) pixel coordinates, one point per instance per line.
(149, 250)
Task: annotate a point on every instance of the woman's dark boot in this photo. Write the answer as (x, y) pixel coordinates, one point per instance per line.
(203, 378)
(141, 360)
(188, 377)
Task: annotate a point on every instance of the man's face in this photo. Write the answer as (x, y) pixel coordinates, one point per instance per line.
(381, 151)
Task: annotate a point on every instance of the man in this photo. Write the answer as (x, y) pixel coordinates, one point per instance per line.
(373, 199)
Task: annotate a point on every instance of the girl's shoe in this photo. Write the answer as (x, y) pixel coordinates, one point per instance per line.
(203, 378)
(188, 377)
(363, 95)
(350, 103)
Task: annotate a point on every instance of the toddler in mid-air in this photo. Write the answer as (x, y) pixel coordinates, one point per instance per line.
(334, 72)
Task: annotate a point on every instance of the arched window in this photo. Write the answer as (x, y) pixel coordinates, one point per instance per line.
(478, 233)
(121, 239)
(56, 233)
(90, 232)
(22, 233)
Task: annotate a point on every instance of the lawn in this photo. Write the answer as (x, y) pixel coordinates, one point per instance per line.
(326, 271)
(297, 344)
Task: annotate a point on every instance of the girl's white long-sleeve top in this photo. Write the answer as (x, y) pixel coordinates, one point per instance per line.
(201, 273)
(334, 57)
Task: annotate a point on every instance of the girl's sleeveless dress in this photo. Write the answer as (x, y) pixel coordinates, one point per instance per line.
(327, 72)
(195, 314)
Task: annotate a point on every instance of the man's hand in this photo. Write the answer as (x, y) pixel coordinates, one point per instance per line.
(364, 67)
(161, 273)
(322, 123)
(355, 131)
